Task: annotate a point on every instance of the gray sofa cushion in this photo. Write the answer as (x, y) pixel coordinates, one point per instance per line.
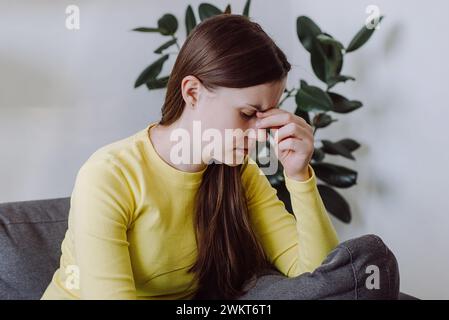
(31, 233)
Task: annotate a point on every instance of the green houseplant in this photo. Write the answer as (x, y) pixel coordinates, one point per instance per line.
(315, 105)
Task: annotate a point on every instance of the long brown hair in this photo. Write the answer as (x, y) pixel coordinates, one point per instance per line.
(230, 51)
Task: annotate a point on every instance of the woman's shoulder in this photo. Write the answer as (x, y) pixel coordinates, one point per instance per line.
(123, 153)
(110, 176)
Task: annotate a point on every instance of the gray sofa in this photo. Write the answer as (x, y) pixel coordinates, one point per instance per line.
(31, 233)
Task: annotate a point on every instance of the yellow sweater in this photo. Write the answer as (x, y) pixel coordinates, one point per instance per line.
(131, 235)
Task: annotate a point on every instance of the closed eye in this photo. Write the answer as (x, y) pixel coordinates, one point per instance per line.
(247, 116)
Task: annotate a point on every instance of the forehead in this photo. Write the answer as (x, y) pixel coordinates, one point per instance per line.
(266, 95)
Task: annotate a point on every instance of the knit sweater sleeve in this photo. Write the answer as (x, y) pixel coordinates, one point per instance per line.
(294, 243)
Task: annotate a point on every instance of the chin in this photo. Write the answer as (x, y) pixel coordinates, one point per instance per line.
(237, 158)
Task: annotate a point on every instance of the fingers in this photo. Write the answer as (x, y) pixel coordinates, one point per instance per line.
(294, 144)
(276, 118)
(294, 130)
(267, 113)
(288, 144)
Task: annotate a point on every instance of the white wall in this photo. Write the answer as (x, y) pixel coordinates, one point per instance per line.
(402, 80)
(65, 93)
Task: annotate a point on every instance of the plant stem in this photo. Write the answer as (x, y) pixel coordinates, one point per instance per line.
(289, 94)
(174, 38)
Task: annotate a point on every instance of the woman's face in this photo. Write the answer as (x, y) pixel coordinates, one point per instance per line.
(232, 113)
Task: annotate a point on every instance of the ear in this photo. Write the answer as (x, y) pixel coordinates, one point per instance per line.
(190, 88)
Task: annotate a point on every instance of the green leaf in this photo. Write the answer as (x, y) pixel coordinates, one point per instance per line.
(335, 203)
(207, 10)
(322, 120)
(168, 24)
(283, 195)
(326, 60)
(326, 39)
(336, 149)
(276, 178)
(145, 29)
(157, 83)
(342, 105)
(307, 31)
(165, 46)
(332, 81)
(246, 9)
(190, 20)
(349, 144)
(310, 98)
(318, 155)
(335, 175)
(228, 9)
(325, 52)
(151, 72)
(361, 37)
(303, 114)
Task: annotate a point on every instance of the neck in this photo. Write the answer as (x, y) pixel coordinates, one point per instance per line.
(160, 137)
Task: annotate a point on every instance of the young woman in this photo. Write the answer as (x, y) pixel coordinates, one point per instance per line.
(144, 227)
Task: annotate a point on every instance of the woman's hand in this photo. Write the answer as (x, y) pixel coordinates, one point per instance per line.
(294, 140)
